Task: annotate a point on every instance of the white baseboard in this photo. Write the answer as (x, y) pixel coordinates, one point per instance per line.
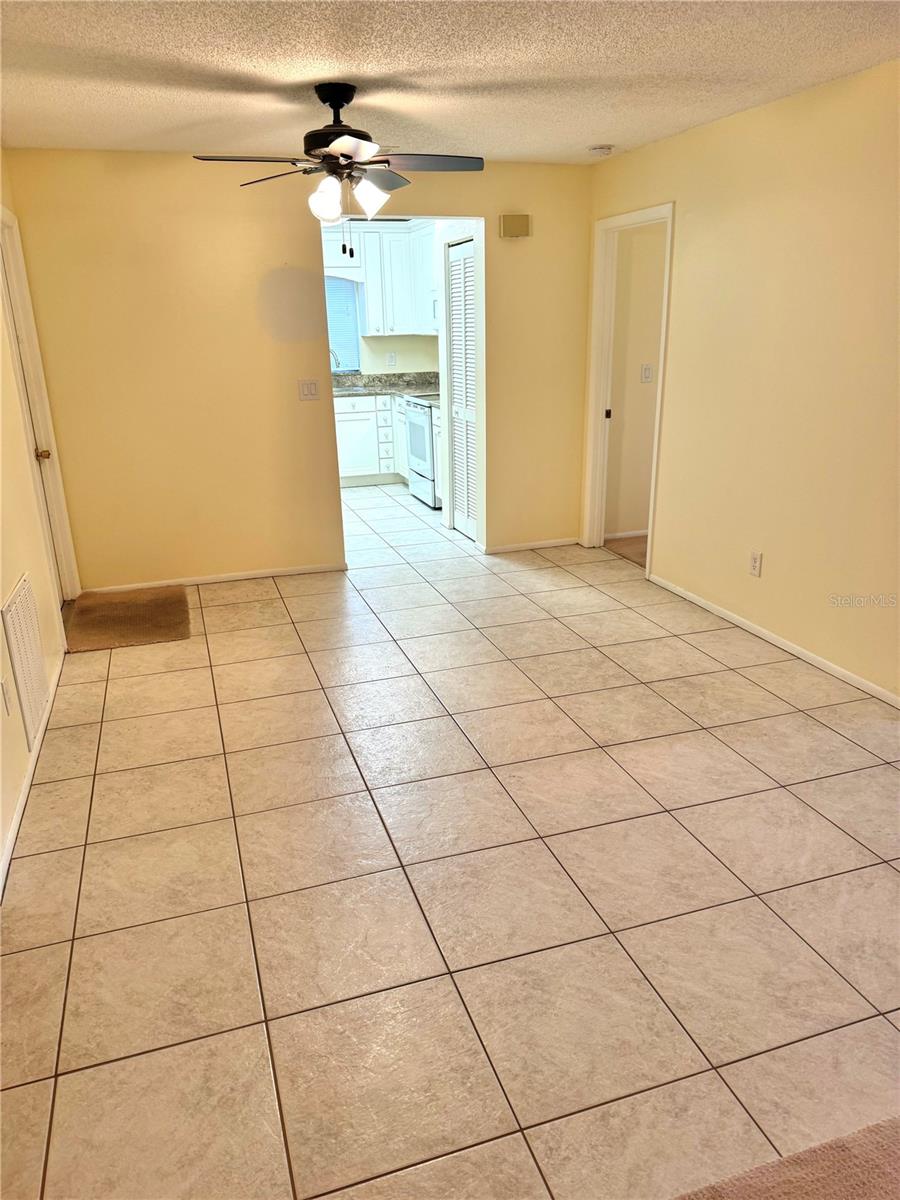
(352, 481)
(124, 587)
(612, 537)
(530, 546)
(13, 830)
(865, 685)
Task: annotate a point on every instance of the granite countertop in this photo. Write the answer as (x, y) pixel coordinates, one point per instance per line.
(420, 383)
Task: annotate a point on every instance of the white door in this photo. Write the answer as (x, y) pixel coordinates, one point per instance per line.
(37, 443)
(461, 357)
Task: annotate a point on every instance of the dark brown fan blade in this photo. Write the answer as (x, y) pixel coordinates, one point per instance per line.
(387, 180)
(280, 175)
(428, 162)
(264, 158)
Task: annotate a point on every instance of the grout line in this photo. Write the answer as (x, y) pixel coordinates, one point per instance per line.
(259, 982)
(65, 999)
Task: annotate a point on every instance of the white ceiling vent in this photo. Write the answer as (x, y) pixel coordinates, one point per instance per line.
(23, 640)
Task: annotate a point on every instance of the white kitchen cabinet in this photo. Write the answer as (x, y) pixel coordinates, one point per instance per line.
(399, 422)
(397, 282)
(357, 437)
(400, 289)
(372, 309)
(335, 261)
(424, 279)
(436, 436)
(365, 435)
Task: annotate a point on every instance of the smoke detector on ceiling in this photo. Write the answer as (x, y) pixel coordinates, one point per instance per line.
(602, 151)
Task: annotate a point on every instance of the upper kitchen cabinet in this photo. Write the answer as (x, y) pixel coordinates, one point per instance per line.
(398, 285)
(424, 273)
(372, 307)
(336, 262)
(399, 293)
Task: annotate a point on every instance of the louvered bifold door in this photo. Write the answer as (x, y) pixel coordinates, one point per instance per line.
(461, 333)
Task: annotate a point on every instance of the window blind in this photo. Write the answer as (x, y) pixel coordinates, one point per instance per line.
(343, 321)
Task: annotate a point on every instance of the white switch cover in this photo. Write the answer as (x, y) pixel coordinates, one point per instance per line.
(646, 372)
(391, 359)
(756, 562)
(309, 389)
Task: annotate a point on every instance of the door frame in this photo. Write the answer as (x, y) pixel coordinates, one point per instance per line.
(47, 476)
(600, 370)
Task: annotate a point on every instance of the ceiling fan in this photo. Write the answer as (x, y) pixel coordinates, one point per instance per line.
(349, 156)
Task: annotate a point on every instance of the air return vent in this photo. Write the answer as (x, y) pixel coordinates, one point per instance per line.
(23, 640)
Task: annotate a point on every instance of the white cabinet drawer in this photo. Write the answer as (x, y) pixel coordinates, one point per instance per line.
(385, 418)
(352, 404)
(386, 435)
(386, 466)
(399, 403)
(383, 402)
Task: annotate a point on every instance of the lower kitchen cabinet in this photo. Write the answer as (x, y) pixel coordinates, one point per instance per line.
(357, 441)
(398, 418)
(371, 435)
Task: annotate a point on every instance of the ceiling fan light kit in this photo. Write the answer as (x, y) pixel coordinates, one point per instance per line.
(349, 156)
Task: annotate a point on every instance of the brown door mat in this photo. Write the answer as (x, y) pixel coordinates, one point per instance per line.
(105, 620)
(862, 1166)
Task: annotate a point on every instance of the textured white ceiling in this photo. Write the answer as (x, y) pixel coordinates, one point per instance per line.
(519, 81)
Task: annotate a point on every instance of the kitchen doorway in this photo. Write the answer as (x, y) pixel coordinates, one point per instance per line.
(405, 308)
(631, 286)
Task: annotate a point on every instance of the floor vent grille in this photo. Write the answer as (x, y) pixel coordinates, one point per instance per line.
(23, 640)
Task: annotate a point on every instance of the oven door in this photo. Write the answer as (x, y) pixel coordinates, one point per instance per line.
(420, 448)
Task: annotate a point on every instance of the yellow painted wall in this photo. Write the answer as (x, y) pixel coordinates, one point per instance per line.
(22, 548)
(779, 428)
(177, 313)
(176, 319)
(640, 267)
(418, 353)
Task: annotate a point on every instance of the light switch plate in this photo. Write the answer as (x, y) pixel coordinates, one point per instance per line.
(391, 359)
(646, 372)
(309, 389)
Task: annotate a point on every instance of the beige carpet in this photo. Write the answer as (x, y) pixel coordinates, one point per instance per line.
(105, 620)
(862, 1166)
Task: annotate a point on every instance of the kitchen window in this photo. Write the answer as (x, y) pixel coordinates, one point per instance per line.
(343, 322)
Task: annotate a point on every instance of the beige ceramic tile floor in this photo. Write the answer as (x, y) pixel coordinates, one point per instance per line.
(455, 877)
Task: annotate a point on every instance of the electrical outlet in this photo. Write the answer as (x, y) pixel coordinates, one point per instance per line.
(646, 372)
(309, 389)
(390, 359)
(756, 562)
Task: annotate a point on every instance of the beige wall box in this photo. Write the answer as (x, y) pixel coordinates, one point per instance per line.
(515, 225)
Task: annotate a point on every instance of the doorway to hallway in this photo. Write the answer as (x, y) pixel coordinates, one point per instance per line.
(631, 266)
